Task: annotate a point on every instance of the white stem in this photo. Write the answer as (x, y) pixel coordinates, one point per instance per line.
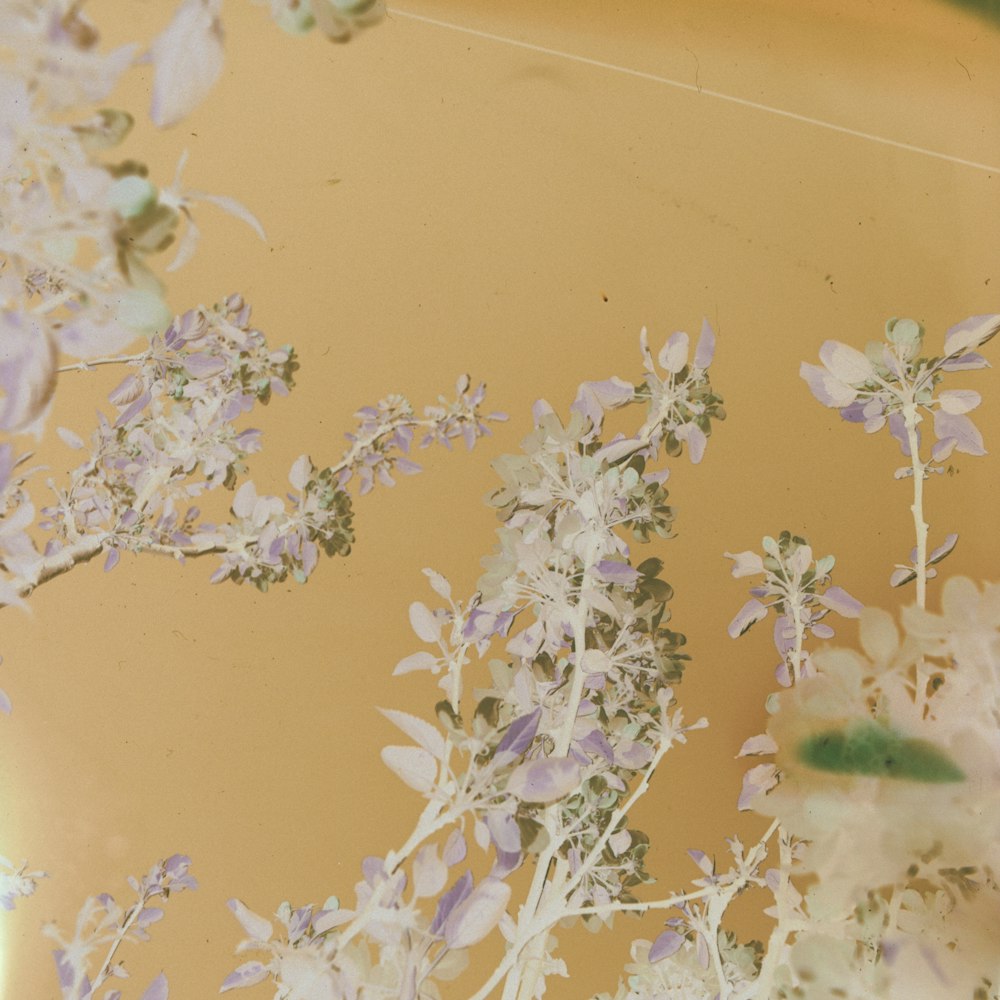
(912, 418)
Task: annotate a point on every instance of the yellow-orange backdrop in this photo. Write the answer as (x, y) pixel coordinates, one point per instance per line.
(438, 201)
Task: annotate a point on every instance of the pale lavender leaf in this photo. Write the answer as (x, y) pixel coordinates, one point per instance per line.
(256, 926)
(504, 831)
(846, 364)
(971, 333)
(665, 945)
(940, 450)
(416, 661)
(478, 914)
(70, 438)
(544, 780)
(696, 441)
(959, 400)
(134, 409)
(745, 563)
(447, 903)
(157, 989)
(202, 365)
(438, 583)
(965, 363)
(423, 622)
(248, 974)
(520, 733)
(828, 390)
(84, 337)
(967, 437)
(783, 675)
(705, 351)
(942, 550)
(613, 571)
(839, 600)
(129, 389)
(149, 915)
(429, 872)
(28, 356)
(632, 755)
(111, 559)
(187, 57)
(301, 472)
(751, 613)
(756, 781)
(897, 428)
(5, 705)
(763, 743)
(419, 730)
(674, 354)
(454, 849)
(413, 765)
(901, 575)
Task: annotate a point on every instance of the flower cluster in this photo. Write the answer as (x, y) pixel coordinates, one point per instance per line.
(16, 882)
(892, 385)
(103, 925)
(563, 735)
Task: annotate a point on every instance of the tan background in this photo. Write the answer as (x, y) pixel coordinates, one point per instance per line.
(490, 198)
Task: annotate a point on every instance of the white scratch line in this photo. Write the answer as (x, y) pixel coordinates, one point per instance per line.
(909, 147)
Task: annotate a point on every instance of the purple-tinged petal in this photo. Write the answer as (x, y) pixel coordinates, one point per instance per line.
(111, 560)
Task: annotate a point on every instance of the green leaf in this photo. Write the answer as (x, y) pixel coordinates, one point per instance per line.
(871, 749)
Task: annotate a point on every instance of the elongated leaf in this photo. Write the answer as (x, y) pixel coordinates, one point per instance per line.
(846, 364)
(418, 730)
(157, 989)
(424, 623)
(413, 765)
(478, 914)
(248, 974)
(256, 926)
(187, 57)
(751, 613)
(868, 748)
